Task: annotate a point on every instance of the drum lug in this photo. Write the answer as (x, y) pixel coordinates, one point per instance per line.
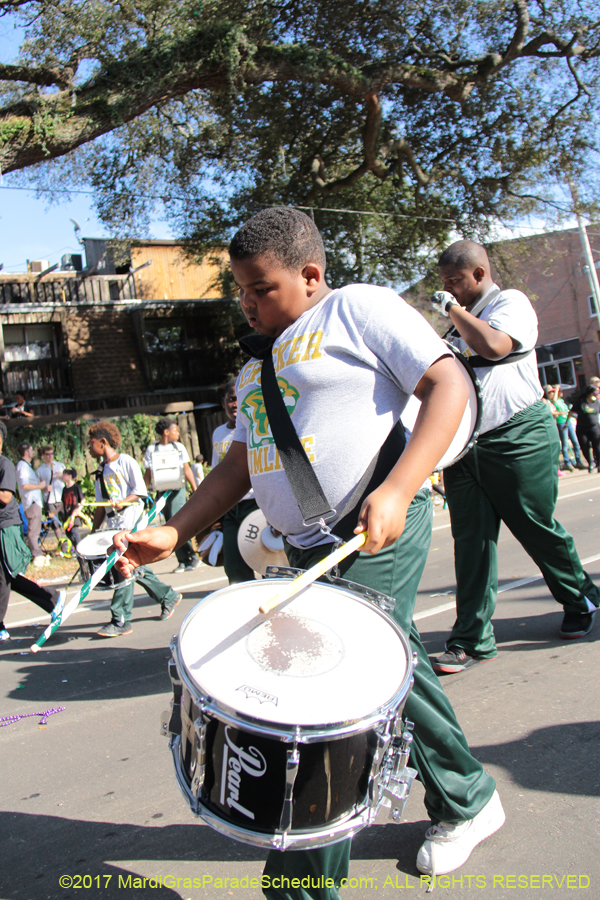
(291, 771)
(171, 718)
(199, 763)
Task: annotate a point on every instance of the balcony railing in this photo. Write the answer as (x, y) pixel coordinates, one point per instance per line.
(67, 287)
(49, 377)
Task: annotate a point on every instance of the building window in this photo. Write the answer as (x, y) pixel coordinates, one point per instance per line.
(197, 348)
(561, 363)
(33, 360)
(592, 306)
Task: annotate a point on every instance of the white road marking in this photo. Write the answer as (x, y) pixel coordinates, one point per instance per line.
(511, 586)
(561, 497)
(83, 608)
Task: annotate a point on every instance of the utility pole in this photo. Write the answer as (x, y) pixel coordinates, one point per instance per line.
(589, 267)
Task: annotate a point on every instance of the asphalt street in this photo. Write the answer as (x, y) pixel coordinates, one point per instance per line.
(90, 797)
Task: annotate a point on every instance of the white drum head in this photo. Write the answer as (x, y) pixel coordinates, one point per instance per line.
(326, 656)
(466, 430)
(94, 545)
(258, 545)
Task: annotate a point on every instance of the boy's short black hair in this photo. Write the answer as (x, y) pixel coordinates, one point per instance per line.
(107, 431)
(286, 234)
(71, 472)
(163, 425)
(22, 447)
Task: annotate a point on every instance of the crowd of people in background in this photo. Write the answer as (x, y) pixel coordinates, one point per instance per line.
(38, 499)
(578, 425)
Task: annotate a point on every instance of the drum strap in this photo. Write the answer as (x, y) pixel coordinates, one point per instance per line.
(307, 489)
(99, 473)
(480, 362)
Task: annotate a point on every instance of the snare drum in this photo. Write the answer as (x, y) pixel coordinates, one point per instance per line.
(92, 551)
(468, 430)
(286, 729)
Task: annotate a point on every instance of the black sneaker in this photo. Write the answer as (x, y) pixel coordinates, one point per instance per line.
(456, 660)
(114, 630)
(576, 625)
(168, 609)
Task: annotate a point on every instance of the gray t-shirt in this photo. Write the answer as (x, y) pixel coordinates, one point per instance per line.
(509, 388)
(346, 368)
(122, 477)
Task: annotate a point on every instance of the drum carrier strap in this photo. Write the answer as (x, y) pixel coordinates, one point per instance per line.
(312, 502)
(99, 473)
(480, 362)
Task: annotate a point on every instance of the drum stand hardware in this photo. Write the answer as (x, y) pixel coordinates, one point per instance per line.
(398, 776)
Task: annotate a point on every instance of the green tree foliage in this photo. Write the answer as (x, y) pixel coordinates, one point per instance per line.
(444, 117)
(70, 440)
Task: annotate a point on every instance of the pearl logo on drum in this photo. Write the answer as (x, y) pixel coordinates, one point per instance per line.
(235, 761)
(255, 693)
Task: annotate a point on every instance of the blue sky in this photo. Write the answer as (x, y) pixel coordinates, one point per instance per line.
(31, 229)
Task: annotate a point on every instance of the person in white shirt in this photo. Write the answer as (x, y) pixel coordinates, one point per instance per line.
(236, 568)
(51, 472)
(510, 475)
(198, 469)
(30, 492)
(119, 480)
(168, 432)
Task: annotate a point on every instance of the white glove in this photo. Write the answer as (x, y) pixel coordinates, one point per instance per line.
(214, 541)
(442, 301)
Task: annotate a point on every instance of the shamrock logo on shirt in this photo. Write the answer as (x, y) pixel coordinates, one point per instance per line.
(253, 406)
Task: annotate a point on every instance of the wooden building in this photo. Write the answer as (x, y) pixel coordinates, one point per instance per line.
(156, 330)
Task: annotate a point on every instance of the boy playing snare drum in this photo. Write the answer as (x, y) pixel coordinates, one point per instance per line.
(350, 358)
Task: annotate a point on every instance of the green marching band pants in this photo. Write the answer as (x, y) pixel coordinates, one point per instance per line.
(456, 786)
(235, 568)
(510, 475)
(184, 554)
(121, 606)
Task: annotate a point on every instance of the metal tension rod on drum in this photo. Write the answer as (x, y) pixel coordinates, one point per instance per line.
(302, 581)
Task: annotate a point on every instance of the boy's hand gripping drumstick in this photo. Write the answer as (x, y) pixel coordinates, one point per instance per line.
(302, 581)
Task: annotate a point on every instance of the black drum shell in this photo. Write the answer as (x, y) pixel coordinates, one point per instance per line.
(332, 778)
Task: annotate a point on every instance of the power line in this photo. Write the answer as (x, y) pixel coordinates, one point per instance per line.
(357, 212)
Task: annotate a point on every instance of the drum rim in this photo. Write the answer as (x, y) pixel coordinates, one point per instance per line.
(463, 360)
(107, 531)
(304, 734)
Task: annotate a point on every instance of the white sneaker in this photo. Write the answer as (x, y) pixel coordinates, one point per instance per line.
(39, 561)
(448, 846)
(194, 564)
(180, 568)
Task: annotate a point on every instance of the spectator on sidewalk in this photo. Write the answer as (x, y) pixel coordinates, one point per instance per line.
(566, 429)
(72, 501)
(587, 411)
(30, 491)
(51, 471)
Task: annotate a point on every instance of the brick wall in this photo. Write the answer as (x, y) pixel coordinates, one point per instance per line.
(549, 269)
(103, 352)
